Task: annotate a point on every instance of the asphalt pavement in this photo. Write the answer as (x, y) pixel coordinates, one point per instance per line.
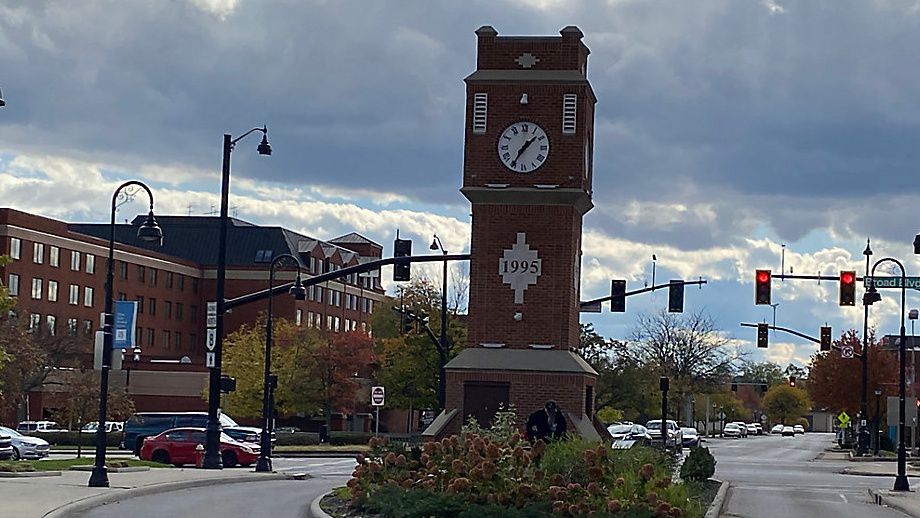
(778, 477)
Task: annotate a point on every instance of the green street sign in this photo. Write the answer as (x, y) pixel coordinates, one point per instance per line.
(892, 282)
(843, 418)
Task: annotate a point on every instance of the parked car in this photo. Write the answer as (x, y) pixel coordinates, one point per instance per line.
(110, 426)
(732, 430)
(147, 424)
(750, 428)
(626, 435)
(178, 447)
(788, 430)
(758, 427)
(39, 426)
(691, 437)
(777, 429)
(25, 447)
(798, 429)
(6, 446)
(742, 426)
(674, 438)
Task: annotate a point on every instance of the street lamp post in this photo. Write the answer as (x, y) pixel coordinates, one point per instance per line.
(300, 293)
(900, 482)
(878, 416)
(862, 442)
(442, 350)
(212, 440)
(148, 232)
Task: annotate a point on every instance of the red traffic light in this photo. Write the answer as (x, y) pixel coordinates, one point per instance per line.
(847, 288)
(762, 287)
(847, 277)
(763, 276)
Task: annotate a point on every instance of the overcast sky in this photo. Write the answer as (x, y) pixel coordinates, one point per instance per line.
(724, 129)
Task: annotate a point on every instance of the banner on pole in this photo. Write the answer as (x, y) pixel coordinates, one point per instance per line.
(125, 317)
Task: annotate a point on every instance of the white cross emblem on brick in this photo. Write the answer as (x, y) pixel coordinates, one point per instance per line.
(527, 60)
(520, 267)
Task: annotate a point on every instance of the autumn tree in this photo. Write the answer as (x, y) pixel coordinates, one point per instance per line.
(409, 371)
(78, 399)
(782, 403)
(835, 382)
(764, 372)
(334, 368)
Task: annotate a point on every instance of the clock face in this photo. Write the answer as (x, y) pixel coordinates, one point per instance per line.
(523, 147)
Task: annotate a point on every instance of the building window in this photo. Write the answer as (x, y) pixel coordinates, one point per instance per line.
(87, 327)
(140, 273)
(51, 324)
(177, 340)
(336, 323)
(194, 285)
(180, 282)
(298, 316)
(480, 109)
(331, 297)
(15, 247)
(309, 319)
(312, 265)
(87, 296)
(54, 256)
(153, 277)
(178, 311)
(90, 263)
(169, 279)
(569, 104)
(36, 288)
(52, 291)
(193, 313)
(74, 261)
(166, 335)
(35, 320)
(319, 294)
(13, 285)
(122, 296)
(310, 292)
(139, 335)
(74, 294)
(192, 341)
(151, 336)
(329, 322)
(123, 270)
(167, 309)
(38, 253)
(71, 327)
(152, 306)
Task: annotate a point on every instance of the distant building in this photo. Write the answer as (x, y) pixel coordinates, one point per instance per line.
(58, 277)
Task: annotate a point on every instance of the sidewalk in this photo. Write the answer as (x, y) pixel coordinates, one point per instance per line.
(878, 469)
(58, 496)
(906, 502)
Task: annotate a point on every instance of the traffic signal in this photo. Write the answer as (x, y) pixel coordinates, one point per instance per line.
(676, 296)
(618, 296)
(227, 384)
(734, 387)
(401, 248)
(762, 287)
(764, 387)
(825, 338)
(848, 288)
(763, 335)
(792, 381)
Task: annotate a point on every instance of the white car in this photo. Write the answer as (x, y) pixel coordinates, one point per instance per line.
(742, 426)
(732, 430)
(798, 429)
(25, 447)
(110, 426)
(751, 428)
(39, 426)
(788, 430)
(777, 429)
(675, 436)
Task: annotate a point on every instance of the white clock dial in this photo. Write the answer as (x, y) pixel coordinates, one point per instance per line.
(523, 147)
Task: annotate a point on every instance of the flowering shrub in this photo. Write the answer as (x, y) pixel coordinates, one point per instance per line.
(574, 477)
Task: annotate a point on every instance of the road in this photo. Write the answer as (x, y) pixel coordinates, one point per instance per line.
(778, 477)
(278, 499)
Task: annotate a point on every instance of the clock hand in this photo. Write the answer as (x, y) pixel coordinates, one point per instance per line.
(523, 148)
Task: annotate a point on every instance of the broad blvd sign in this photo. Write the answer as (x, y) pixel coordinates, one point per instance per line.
(892, 282)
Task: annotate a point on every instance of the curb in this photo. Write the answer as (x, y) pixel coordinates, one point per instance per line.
(29, 474)
(315, 510)
(90, 502)
(882, 499)
(859, 473)
(715, 508)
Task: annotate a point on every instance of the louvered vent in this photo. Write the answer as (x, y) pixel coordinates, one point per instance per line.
(480, 108)
(568, 114)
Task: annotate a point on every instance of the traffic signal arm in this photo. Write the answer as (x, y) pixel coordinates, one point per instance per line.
(787, 330)
(647, 289)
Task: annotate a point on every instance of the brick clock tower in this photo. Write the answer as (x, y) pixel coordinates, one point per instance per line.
(527, 173)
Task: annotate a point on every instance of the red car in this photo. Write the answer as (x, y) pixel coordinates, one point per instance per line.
(177, 447)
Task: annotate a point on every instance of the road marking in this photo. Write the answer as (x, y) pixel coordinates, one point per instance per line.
(844, 498)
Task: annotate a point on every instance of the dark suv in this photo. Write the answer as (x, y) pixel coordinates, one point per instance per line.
(147, 424)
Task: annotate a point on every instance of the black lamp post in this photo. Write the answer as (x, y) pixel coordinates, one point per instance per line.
(300, 293)
(442, 351)
(878, 419)
(862, 441)
(212, 440)
(148, 232)
(872, 296)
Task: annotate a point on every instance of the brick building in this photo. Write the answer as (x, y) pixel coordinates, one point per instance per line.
(58, 276)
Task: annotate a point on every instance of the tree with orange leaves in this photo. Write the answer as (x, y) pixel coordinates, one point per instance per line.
(835, 382)
(335, 368)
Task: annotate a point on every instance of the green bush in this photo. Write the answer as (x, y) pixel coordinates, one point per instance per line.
(76, 438)
(699, 465)
(346, 438)
(297, 439)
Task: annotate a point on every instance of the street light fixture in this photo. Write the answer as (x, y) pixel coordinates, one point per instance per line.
(872, 295)
(148, 232)
(264, 463)
(212, 436)
(442, 350)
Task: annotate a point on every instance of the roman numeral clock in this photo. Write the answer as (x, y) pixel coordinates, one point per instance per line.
(527, 175)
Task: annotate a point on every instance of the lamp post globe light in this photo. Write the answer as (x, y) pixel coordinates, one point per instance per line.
(212, 434)
(148, 232)
(442, 350)
(264, 464)
(872, 296)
